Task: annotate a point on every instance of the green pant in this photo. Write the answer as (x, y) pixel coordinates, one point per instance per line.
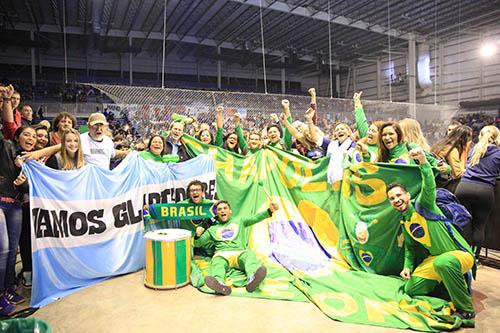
(448, 268)
(246, 261)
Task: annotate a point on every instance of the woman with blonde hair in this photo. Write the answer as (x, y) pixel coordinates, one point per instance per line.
(412, 133)
(476, 190)
(71, 155)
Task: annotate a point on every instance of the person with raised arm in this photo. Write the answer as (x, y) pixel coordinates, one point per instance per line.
(231, 251)
(435, 252)
(368, 133)
(233, 141)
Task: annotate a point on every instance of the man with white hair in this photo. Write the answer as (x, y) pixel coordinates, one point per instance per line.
(98, 148)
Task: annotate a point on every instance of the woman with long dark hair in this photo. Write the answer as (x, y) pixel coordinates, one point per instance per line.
(11, 212)
(393, 148)
(453, 149)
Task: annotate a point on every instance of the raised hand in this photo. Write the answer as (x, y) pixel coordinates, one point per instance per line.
(219, 108)
(312, 91)
(273, 207)
(199, 231)
(405, 274)
(285, 104)
(362, 147)
(7, 91)
(309, 114)
(357, 99)
(418, 155)
(237, 118)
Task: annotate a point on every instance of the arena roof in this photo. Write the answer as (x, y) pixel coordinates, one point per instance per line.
(295, 29)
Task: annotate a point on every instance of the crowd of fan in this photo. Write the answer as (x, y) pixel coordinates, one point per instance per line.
(112, 136)
(57, 92)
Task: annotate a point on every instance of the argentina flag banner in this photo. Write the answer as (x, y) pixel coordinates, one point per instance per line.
(87, 224)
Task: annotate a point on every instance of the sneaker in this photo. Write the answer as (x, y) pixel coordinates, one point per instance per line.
(465, 315)
(6, 309)
(13, 297)
(217, 286)
(26, 280)
(255, 280)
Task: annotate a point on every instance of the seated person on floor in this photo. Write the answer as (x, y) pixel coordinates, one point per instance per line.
(196, 195)
(445, 253)
(231, 250)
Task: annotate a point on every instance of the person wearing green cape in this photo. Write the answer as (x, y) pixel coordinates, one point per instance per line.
(231, 250)
(435, 252)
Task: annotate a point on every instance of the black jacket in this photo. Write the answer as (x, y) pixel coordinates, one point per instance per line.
(8, 170)
(182, 152)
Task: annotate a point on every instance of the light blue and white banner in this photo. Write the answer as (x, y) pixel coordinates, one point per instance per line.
(87, 224)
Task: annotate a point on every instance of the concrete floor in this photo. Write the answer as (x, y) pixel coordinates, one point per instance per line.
(123, 304)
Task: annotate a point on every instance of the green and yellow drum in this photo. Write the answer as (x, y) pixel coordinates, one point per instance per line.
(168, 258)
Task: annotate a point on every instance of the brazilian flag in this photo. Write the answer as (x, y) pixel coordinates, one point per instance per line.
(337, 245)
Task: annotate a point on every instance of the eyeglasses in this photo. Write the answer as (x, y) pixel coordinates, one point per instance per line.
(196, 190)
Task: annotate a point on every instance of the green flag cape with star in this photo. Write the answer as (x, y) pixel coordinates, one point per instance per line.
(337, 245)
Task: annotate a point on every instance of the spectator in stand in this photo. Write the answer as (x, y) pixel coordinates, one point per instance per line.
(62, 122)
(11, 211)
(42, 140)
(40, 113)
(394, 149)
(453, 149)
(97, 148)
(71, 155)
(173, 144)
(254, 142)
(15, 101)
(233, 141)
(42, 136)
(336, 149)
(156, 151)
(368, 143)
(454, 124)
(304, 143)
(26, 115)
(412, 133)
(275, 132)
(476, 190)
(205, 136)
(9, 125)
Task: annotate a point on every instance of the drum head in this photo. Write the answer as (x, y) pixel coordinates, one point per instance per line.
(168, 235)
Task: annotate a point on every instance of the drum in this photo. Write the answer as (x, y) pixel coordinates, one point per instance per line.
(168, 258)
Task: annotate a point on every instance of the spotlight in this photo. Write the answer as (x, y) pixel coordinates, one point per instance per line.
(488, 49)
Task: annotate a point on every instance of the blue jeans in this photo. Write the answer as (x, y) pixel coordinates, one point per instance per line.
(10, 230)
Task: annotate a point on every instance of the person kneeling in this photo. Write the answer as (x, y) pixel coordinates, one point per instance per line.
(228, 236)
(447, 254)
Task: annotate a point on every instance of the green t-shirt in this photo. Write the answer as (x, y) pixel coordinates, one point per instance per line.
(230, 236)
(147, 155)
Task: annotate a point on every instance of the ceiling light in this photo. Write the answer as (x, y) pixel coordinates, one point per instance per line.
(488, 50)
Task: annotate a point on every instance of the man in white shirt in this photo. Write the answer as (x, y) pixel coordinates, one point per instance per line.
(98, 148)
